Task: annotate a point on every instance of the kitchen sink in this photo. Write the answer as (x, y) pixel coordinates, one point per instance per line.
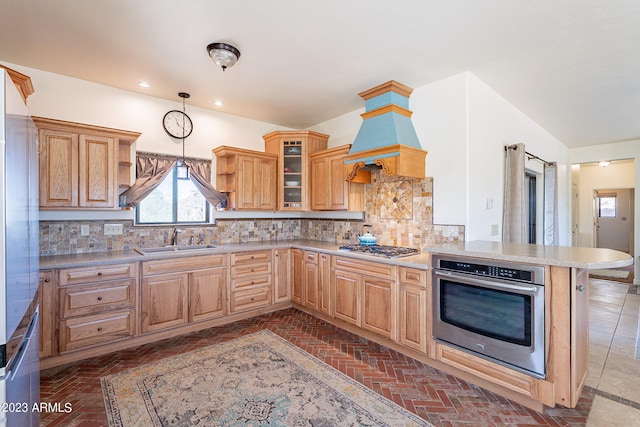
(172, 248)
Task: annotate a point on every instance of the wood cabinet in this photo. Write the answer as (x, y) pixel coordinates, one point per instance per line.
(311, 280)
(316, 282)
(297, 276)
(324, 284)
(82, 166)
(412, 308)
(247, 177)
(330, 189)
(96, 305)
(46, 300)
(365, 294)
(293, 149)
(182, 290)
(282, 273)
(251, 280)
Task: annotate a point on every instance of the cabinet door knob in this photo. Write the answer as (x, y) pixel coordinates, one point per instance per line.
(99, 273)
(99, 298)
(99, 329)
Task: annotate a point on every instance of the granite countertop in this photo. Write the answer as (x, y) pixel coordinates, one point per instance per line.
(101, 258)
(563, 256)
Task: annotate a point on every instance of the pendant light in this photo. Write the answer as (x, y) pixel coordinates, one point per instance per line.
(182, 169)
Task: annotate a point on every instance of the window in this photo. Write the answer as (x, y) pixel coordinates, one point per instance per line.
(607, 206)
(173, 201)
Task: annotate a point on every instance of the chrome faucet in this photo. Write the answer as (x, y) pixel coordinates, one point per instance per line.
(174, 236)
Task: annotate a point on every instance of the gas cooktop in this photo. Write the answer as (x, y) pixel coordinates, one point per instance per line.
(380, 250)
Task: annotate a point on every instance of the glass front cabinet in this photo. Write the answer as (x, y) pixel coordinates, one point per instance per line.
(293, 149)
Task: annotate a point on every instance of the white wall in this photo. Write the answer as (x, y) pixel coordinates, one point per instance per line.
(464, 125)
(494, 123)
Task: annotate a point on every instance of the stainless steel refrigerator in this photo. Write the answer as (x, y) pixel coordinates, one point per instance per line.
(19, 248)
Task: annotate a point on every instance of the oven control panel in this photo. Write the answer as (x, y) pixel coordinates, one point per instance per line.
(529, 274)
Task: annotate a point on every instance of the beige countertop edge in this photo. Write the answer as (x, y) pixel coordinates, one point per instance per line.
(101, 258)
(562, 256)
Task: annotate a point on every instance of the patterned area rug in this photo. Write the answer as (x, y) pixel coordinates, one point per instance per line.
(255, 380)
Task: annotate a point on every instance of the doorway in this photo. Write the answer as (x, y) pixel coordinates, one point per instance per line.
(613, 219)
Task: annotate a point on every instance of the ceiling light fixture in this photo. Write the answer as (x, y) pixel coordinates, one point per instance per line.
(223, 54)
(144, 84)
(604, 164)
(218, 103)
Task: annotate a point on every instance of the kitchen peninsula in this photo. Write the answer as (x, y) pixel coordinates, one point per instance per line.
(104, 302)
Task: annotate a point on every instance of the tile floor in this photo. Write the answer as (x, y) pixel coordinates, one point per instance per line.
(612, 397)
(614, 354)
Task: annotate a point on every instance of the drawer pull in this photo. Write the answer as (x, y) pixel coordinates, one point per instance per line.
(252, 257)
(99, 298)
(99, 329)
(99, 273)
(46, 280)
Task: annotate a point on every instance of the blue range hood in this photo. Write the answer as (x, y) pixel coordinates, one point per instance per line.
(387, 138)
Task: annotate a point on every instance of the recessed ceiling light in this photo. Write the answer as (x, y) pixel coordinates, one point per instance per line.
(218, 103)
(144, 84)
(604, 164)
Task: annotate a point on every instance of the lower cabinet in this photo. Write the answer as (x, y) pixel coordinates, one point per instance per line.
(412, 308)
(365, 294)
(310, 280)
(96, 305)
(251, 280)
(46, 300)
(282, 275)
(182, 290)
(297, 276)
(207, 294)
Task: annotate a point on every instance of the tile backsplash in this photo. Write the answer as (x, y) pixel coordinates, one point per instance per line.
(399, 210)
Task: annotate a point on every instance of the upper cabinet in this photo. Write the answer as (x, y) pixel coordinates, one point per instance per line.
(247, 177)
(293, 149)
(82, 166)
(330, 189)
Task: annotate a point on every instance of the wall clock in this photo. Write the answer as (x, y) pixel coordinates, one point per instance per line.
(177, 124)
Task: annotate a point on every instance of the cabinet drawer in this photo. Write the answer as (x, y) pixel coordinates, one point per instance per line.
(311, 257)
(413, 276)
(174, 265)
(74, 276)
(250, 257)
(250, 270)
(358, 266)
(263, 280)
(91, 330)
(94, 298)
(250, 298)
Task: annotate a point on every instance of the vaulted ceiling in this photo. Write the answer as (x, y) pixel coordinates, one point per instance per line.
(573, 66)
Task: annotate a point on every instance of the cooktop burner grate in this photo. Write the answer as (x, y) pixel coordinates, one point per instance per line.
(381, 250)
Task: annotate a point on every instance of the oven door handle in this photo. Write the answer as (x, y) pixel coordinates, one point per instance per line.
(497, 284)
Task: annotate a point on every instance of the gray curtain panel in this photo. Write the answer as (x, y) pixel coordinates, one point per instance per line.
(201, 177)
(151, 170)
(550, 204)
(514, 227)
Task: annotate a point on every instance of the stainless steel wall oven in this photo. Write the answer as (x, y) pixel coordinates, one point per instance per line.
(492, 309)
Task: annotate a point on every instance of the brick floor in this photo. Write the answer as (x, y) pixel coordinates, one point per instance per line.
(441, 399)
